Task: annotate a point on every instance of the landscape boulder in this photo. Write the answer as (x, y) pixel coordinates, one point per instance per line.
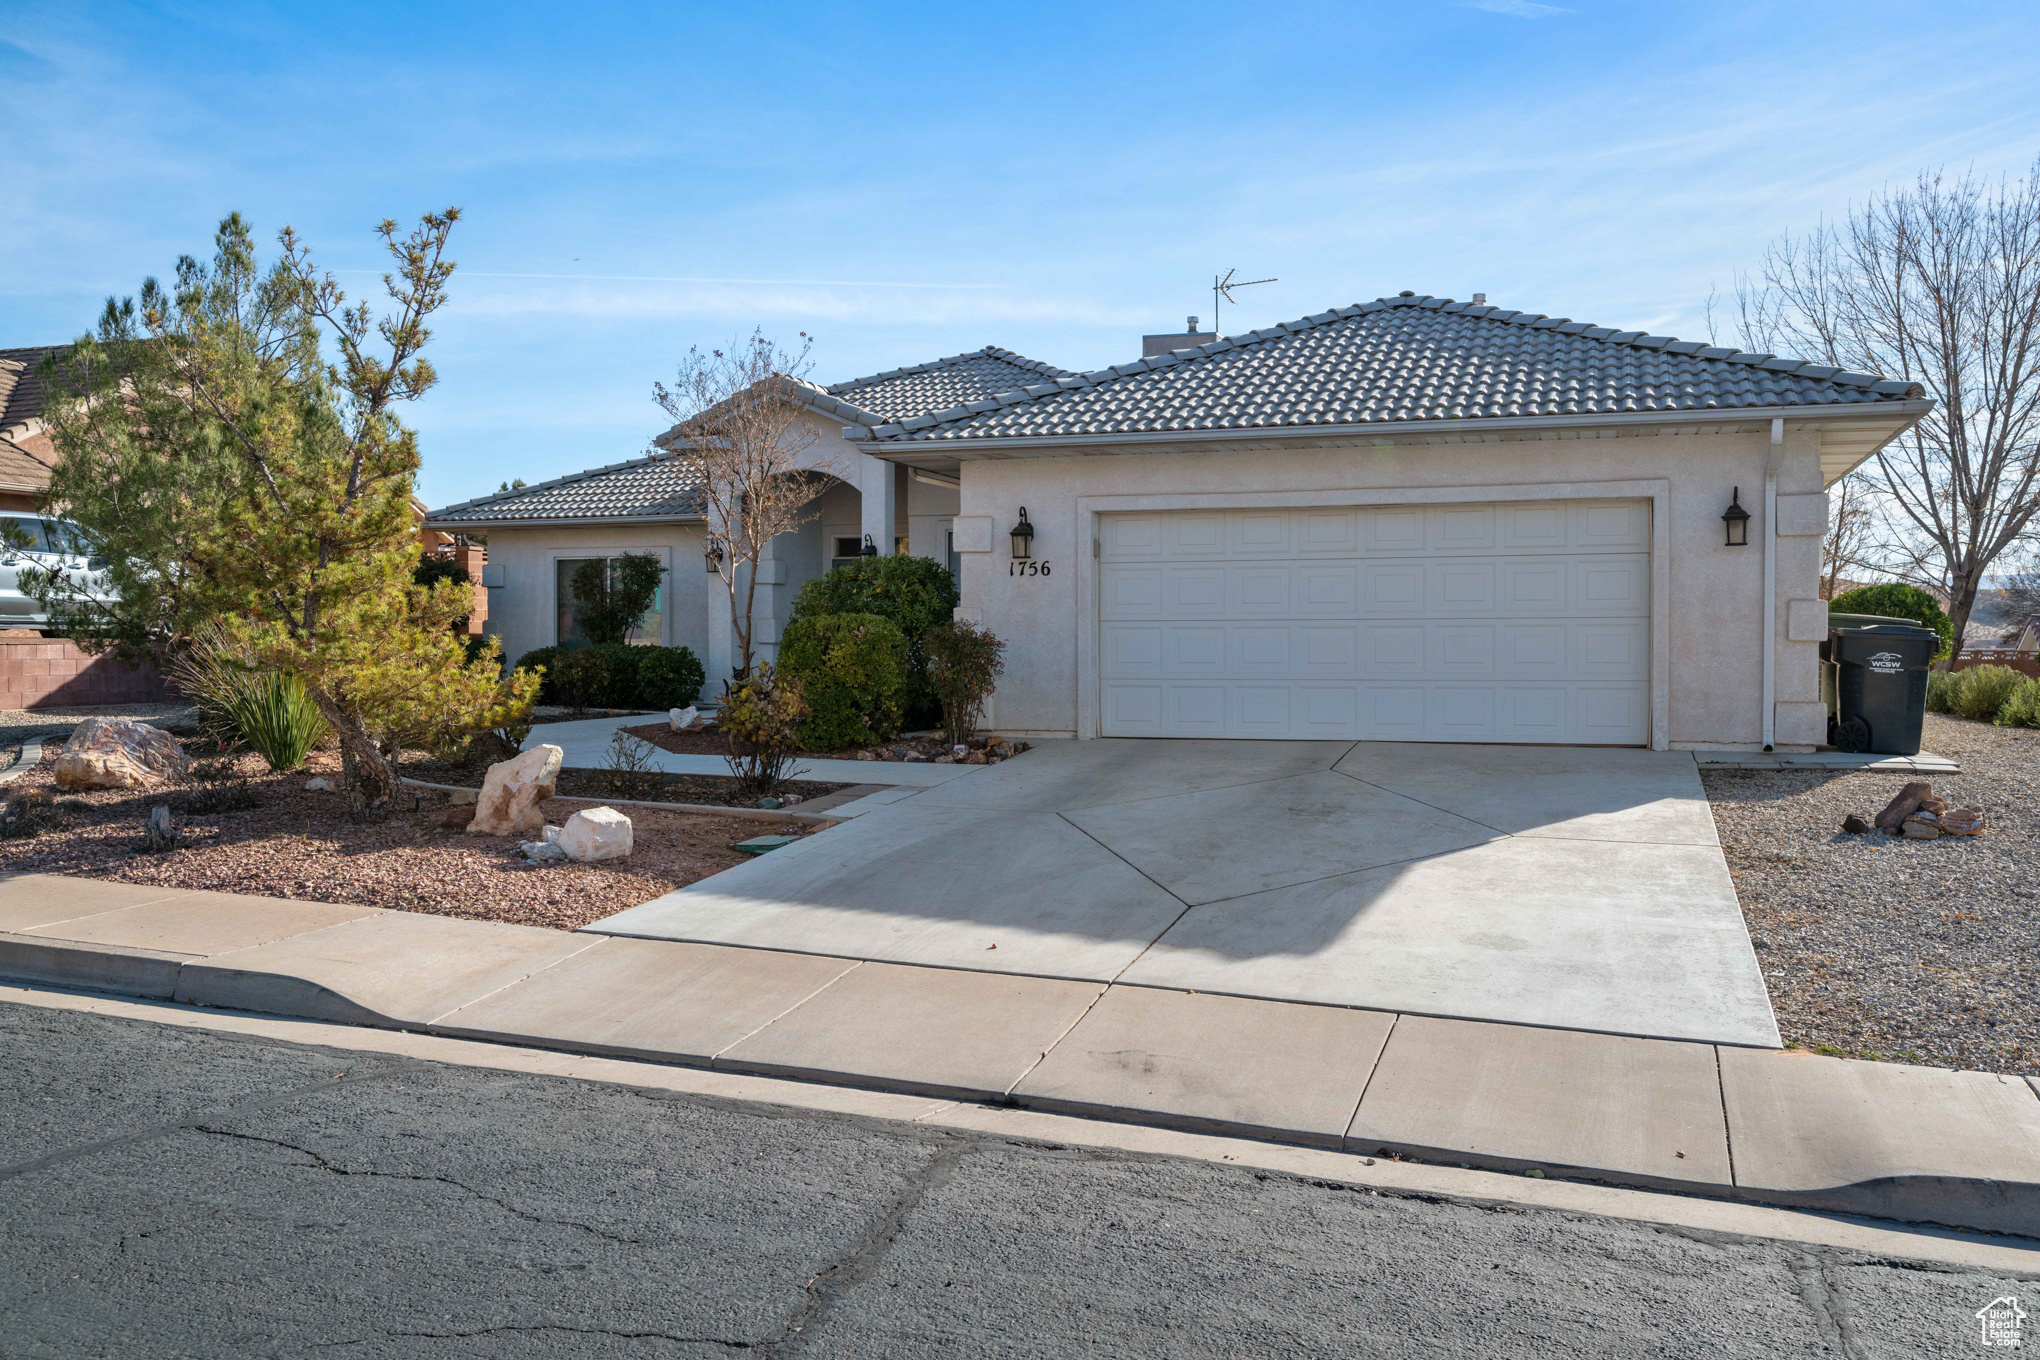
(1921, 826)
(683, 719)
(596, 834)
(1904, 805)
(1855, 824)
(117, 753)
(1966, 821)
(512, 791)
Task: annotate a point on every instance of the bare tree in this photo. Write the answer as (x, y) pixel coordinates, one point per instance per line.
(1939, 282)
(740, 412)
(1852, 527)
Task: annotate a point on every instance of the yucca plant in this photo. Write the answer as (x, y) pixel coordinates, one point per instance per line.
(267, 711)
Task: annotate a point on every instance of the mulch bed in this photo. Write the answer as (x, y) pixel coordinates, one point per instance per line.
(714, 789)
(303, 845)
(714, 743)
(1875, 946)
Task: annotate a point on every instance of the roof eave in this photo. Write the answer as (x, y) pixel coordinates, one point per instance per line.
(563, 522)
(908, 450)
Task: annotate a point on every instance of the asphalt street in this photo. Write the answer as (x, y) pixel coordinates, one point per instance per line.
(178, 1192)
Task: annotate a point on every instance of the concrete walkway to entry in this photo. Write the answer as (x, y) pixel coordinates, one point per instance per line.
(1960, 1149)
(1555, 886)
(584, 743)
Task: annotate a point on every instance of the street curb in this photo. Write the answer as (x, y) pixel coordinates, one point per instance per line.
(1985, 1202)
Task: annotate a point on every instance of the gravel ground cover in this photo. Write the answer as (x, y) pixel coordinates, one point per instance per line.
(22, 724)
(300, 844)
(1875, 946)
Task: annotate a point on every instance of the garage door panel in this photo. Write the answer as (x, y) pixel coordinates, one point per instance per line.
(1518, 622)
(1461, 587)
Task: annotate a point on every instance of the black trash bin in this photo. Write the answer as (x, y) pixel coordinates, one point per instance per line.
(1880, 686)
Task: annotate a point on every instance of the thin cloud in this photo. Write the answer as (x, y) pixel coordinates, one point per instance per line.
(682, 278)
(1520, 9)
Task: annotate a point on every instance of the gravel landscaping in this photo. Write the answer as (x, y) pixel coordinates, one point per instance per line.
(300, 844)
(1879, 947)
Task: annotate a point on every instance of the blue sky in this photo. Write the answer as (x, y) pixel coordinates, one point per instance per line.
(905, 181)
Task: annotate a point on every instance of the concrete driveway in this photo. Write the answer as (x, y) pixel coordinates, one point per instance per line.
(1565, 886)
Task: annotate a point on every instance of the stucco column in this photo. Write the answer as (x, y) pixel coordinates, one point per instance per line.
(876, 490)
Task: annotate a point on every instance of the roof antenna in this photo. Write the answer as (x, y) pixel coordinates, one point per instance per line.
(1221, 287)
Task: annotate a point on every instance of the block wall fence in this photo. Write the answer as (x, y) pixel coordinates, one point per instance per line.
(40, 672)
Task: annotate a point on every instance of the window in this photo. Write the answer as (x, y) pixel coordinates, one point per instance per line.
(649, 631)
(955, 560)
(847, 551)
(22, 534)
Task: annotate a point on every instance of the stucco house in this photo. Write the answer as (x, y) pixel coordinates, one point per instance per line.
(1411, 519)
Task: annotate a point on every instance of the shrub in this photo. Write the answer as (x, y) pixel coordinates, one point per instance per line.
(268, 711)
(578, 676)
(668, 677)
(762, 714)
(912, 593)
(964, 662)
(542, 659)
(629, 769)
(1898, 602)
(614, 594)
(1940, 691)
(851, 669)
(619, 687)
(2022, 709)
(1981, 691)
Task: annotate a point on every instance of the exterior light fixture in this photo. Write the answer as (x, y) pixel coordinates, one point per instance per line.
(1023, 538)
(869, 549)
(714, 558)
(1737, 521)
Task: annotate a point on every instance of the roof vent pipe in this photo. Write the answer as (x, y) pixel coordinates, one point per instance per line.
(1480, 299)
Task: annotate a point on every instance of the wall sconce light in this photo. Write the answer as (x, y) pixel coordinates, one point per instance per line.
(869, 549)
(1737, 521)
(714, 558)
(1023, 538)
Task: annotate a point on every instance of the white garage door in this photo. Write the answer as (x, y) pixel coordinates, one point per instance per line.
(1520, 622)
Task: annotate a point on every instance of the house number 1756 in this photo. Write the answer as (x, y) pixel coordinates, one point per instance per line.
(1027, 568)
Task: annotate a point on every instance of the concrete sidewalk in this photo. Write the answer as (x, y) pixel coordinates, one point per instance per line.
(1917, 1144)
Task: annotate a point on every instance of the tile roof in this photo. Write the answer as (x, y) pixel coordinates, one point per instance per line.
(20, 469)
(663, 486)
(21, 386)
(942, 384)
(1400, 359)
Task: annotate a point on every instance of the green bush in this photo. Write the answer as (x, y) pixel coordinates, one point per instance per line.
(912, 593)
(267, 711)
(762, 714)
(1898, 602)
(579, 676)
(546, 658)
(851, 669)
(964, 662)
(619, 687)
(668, 677)
(1981, 691)
(2022, 709)
(1940, 692)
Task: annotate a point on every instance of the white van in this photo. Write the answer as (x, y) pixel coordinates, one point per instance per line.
(40, 541)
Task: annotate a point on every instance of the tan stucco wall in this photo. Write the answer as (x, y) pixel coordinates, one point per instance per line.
(1710, 677)
(523, 612)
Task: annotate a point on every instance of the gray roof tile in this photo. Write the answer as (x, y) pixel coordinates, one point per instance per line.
(943, 383)
(1399, 359)
(663, 486)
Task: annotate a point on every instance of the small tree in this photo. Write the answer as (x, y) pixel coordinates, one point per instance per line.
(308, 554)
(1851, 526)
(964, 663)
(741, 413)
(614, 597)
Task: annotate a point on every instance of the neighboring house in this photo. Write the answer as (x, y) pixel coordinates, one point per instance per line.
(2019, 642)
(1411, 519)
(25, 450)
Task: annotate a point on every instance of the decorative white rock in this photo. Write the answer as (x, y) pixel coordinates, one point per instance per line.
(512, 791)
(597, 834)
(683, 718)
(318, 784)
(117, 753)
